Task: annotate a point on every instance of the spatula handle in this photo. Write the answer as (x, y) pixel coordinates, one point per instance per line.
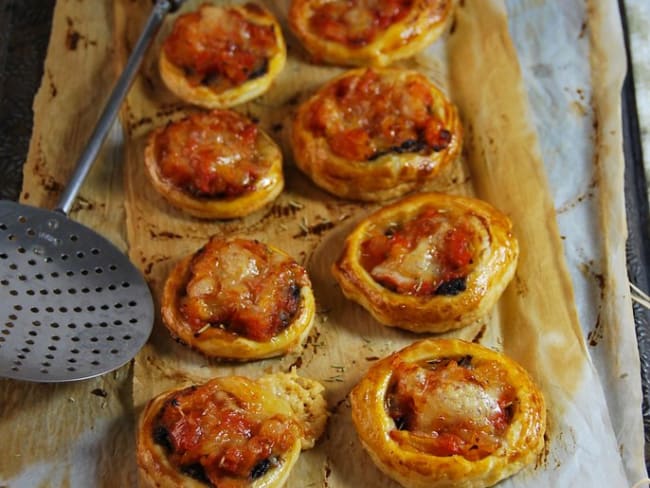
(89, 154)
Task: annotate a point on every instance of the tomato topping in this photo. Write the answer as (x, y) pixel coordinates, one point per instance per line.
(451, 406)
(211, 154)
(212, 436)
(367, 116)
(356, 23)
(220, 47)
(430, 254)
(243, 287)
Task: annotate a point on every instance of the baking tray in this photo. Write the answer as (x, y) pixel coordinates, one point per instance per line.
(24, 35)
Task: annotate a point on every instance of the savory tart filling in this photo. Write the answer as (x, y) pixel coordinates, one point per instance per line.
(431, 254)
(446, 412)
(451, 406)
(211, 154)
(356, 23)
(368, 116)
(220, 47)
(367, 32)
(243, 287)
(216, 438)
(431, 262)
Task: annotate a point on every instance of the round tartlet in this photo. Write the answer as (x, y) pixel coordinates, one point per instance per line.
(216, 164)
(429, 263)
(449, 413)
(375, 134)
(217, 57)
(230, 431)
(238, 299)
(374, 33)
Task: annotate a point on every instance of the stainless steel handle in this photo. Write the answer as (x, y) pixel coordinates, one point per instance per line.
(94, 144)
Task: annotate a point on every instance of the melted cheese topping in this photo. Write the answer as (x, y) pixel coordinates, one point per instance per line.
(220, 47)
(422, 256)
(220, 440)
(453, 406)
(211, 154)
(365, 117)
(356, 23)
(243, 287)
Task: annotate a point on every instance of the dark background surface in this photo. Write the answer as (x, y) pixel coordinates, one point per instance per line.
(24, 35)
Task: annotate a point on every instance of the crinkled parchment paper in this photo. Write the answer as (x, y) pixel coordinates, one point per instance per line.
(543, 134)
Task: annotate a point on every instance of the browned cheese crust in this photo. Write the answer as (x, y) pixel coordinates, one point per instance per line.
(198, 79)
(395, 449)
(280, 399)
(374, 33)
(376, 134)
(220, 293)
(465, 262)
(210, 147)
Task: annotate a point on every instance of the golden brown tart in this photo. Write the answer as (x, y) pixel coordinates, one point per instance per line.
(429, 263)
(216, 164)
(375, 134)
(230, 432)
(217, 57)
(238, 299)
(369, 32)
(449, 413)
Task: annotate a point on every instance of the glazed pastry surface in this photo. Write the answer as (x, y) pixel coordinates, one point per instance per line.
(429, 263)
(217, 57)
(238, 299)
(449, 413)
(375, 134)
(216, 164)
(232, 432)
(370, 32)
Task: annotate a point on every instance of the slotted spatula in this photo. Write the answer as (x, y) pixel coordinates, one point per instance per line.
(72, 305)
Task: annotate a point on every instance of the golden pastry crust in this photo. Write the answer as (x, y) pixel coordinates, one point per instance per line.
(375, 134)
(493, 381)
(238, 299)
(234, 67)
(429, 263)
(280, 425)
(214, 165)
(374, 33)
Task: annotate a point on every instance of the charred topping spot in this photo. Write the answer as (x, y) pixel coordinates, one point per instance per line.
(465, 361)
(99, 392)
(197, 472)
(401, 423)
(210, 78)
(260, 70)
(261, 468)
(410, 145)
(294, 291)
(509, 411)
(161, 437)
(452, 287)
(444, 138)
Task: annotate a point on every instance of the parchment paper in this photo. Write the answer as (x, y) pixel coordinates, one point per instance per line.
(536, 320)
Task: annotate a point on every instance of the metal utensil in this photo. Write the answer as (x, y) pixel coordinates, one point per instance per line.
(72, 305)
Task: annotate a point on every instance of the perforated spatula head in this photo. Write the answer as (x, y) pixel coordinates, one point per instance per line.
(72, 306)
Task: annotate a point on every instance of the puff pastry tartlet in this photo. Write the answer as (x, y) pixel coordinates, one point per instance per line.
(375, 134)
(372, 32)
(238, 299)
(216, 164)
(449, 413)
(231, 431)
(429, 263)
(217, 57)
